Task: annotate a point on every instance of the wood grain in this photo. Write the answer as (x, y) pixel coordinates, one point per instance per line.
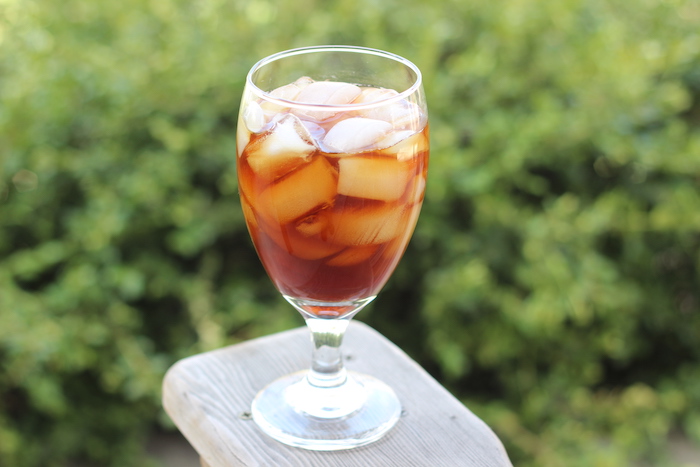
(208, 396)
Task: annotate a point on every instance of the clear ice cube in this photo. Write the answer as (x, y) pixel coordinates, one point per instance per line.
(287, 145)
(254, 117)
(368, 225)
(377, 178)
(315, 130)
(353, 255)
(325, 93)
(313, 224)
(300, 193)
(393, 138)
(303, 247)
(416, 189)
(242, 137)
(369, 95)
(287, 92)
(404, 145)
(402, 115)
(309, 248)
(354, 134)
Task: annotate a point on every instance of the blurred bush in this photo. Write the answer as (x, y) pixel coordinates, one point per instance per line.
(552, 283)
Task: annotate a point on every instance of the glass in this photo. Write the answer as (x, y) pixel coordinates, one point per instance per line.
(333, 148)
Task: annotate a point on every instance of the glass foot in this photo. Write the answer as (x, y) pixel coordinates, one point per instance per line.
(298, 414)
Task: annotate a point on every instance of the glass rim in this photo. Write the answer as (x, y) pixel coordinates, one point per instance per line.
(417, 82)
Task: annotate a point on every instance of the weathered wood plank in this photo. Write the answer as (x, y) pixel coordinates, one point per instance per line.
(208, 396)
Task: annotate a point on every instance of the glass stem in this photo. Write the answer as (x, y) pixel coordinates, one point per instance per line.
(327, 370)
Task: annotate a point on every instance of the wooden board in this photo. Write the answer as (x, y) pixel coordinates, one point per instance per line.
(208, 396)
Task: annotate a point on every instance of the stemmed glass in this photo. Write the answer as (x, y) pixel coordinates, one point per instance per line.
(332, 146)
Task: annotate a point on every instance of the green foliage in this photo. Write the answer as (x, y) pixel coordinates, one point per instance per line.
(552, 282)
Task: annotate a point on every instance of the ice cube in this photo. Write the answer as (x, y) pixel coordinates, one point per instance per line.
(371, 177)
(247, 185)
(300, 193)
(249, 214)
(284, 148)
(314, 129)
(368, 225)
(354, 134)
(353, 255)
(401, 114)
(302, 82)
(393, 138)
(313, 224)
(414, 212)
(325, 93)
(374, 95)
(309, 248)
(291, 91)
(292, 242)
(416, 189)
(287, 92)
(404, 145)
(254, 117)
(242, 137)
(328, 93)
(288, 239)
(396, 247)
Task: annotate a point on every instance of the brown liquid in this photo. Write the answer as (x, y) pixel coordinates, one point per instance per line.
(332, 227)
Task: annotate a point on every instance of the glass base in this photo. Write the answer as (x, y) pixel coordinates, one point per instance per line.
(299, 414)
